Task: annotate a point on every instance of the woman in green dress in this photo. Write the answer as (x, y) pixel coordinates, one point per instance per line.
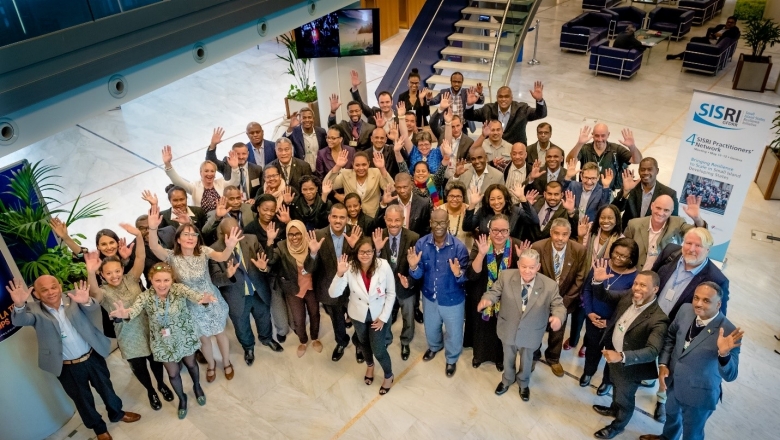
(173, 335)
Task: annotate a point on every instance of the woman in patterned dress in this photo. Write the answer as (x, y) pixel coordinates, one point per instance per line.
(189, 258)
(173, 334)
(132, 336)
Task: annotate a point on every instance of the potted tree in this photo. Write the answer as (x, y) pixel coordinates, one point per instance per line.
(302, 93)
(753, 70)
(769, 169)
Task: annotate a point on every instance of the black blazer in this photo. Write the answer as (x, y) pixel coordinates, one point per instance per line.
(732, 33)
(419, 215)
(324, 266)
(299, 146)
(285, 268)
(199, 218)
(259, 232)
(391, 165)
(632, 204)
(298, 169)
(367, 223)
(521, 221)
(560, 212)
(364, 138)
(314, 217)
(627, 41)
(232, 288)
(533, 153)
(665, 266)
(255, 171)
(408, 239)
(643, 340)
(519, 115)
(421, 108)
(540, 183)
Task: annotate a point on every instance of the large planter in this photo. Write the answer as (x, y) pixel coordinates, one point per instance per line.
(292, 106)
(752, 73)
(766, 177)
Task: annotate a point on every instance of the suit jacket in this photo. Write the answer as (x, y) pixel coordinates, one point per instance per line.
(540, 183)
(573, 271)
(299, 146)
(232, 288)
(673, 232)
(533, 153)
(298, 169)
(375, 184)
(391, 165)
(628, 41)
(378, 297)
(285, 267)
(199, 219)
(695, 372)
(598, 199)
(419, 219)
(269, 152)
(324, 266)
(401, 267)
(709, 272)
(732, 33)
(524, 328)
(86, 319)
(559, 212)
(631, 205)
(345, 127)
(519, 115)
(493, 176)
(255, 171)
(643, 340)
(463, 92)
(247, 217)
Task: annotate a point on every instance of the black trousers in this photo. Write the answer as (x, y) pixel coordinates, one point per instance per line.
(76, 378)
(593, 348)
(623, 395)
(338, 319)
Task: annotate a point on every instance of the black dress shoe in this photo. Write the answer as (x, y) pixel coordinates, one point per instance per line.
(429, 355)
(338, 353)
(500, 367)
(607, 432)
(585, 380)
(525, 394)
(359, 356)
(166, 392)
(281, 338)
(199, 357)
(249, 357)
(348, 324)
(660, 412)
(418, 316)
(605, 411)
(273, 345)
(450, 370)
(154, 401)
(501, 388)
(475, 363)
(404, 352)
(604, 389)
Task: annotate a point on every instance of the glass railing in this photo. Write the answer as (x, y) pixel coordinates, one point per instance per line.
(24, 19)
(509, 40)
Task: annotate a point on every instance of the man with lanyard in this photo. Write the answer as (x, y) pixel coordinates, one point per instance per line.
(356, 130)
(458, 96)
(606, 154)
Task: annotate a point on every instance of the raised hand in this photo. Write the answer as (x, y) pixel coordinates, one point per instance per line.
(628, 181)
(404, 281)
(123, 249)
(531, 196)
(392, 130)
(483, 246)
(536, 92)
(18, 292)
(222, 209)
(401, 109)
(354, 236)
(423, 94)
(379, 119)
(536, 170)
(149, 197)
(583, 226)
(692, 207)
(447, 115)
(327, 187)
(181, 216)
(343, 158)
(283, 214)
(486, 130)
(483, 304)
(555, 323)
(730, 342)
(628, 138)
(334, 103)
(413, 258)
(571, 168)
(167, 156)
(585, 136)
(314, 245)
(287, 196)
(600, 270)
(478, 88)
(232, 159)
(119, 311)
(231, 267)
(354, 77)
(208, 298)
(216, 136)
(525, 244)
(92, 261)
(568, 202)
(445, 102)
(233, 238)
(379, 160)
(154, 217)
(446, 148)
(471, 96)
(387, 196)
(80, 292)
(343, 266)
(474, 197)
(606, 179)
(271, 233)
(59, 227)
(261, 262)
(455, 267)
(379, 242)
(518, 190)
(460, 167)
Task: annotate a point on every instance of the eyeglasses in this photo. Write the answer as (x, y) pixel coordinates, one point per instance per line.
(455, 197)
(331, 138)
(618, 256)
(441, 223)
(499, 231)
(365, 253)
(295, 235)
(189, 234)
(590, 179)
(271, 176)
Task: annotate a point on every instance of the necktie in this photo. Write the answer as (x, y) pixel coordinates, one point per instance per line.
(242, 181)
(241, 267)
(547, 217)
(394, 247)
(525, 295)
(355, 133)
(699, 322)
(557, 267)
(287, 174)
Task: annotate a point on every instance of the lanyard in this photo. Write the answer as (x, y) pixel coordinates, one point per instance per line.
(157, 303)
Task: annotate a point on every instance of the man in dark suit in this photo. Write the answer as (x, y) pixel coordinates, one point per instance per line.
(590, 195)
(417, 210)
(554, 205)
(71, 346)
(530, 302)
(514, 116)
(714, 35)
(458, 97)
(565, 262)
(333, 242)
(690, 367)
(307, 139)
(392, 243)
(357, 131)
(261, 151)
(385, 111)
(635, 200)
(538, 150)
(551, 171)
(460, 142)
(379, 144)
(231, 205)
(632, 341)
(180, 213)
(246, 289)
(292, 167)
(251, 182)
(626, 40)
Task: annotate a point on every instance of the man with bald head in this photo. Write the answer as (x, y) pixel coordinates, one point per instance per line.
(606, 154)
(71, 346)
(654, 232)
(261, 151)
(513, 115)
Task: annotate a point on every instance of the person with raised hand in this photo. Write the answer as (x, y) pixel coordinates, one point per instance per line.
(307, 139)
(311, 206)
(250, 173)
(206, 191)
(416, 98)
(594, 146)
(423, 151)
(362, 180)
(70, 346)
(522, 216)
(189, 258)
(513, 115)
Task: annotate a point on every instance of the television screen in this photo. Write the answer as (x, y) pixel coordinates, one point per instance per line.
(344, 33)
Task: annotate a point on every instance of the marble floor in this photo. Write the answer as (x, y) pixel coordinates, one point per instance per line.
(114, 156)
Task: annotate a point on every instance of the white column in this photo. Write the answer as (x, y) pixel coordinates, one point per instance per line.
(332, 75)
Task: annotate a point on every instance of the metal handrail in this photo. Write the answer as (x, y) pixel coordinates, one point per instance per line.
(498, 44)
(520, 41)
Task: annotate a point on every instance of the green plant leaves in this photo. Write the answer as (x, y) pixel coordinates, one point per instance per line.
(298, 68)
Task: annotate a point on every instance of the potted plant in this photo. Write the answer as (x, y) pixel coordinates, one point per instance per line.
(753, 70)
(24, 224)
(302, 93)
(769, 169)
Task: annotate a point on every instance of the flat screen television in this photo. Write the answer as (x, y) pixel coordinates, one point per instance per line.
(344, 33)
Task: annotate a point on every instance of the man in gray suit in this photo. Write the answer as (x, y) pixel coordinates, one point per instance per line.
(478, 176)
(530, 301)
(71, 346)
(690, 367)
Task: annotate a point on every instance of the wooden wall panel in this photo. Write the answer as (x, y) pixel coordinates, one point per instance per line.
(388, 16)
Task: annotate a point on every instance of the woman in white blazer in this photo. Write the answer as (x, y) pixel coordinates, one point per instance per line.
(206, 191)
(372, 295)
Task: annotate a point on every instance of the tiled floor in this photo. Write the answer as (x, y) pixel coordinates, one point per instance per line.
(116, 155)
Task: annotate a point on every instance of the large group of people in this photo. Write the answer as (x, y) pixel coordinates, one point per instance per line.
(395, 209)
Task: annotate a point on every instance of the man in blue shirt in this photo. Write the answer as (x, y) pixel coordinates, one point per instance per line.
(440, 260)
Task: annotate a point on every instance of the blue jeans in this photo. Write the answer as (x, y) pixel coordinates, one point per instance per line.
(452, 318)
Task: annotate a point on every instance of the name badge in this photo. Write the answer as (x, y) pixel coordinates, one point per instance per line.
(380, 292)
(63, 335)
(393, 260)
(621, 328)
(255, 182)
(686, 344)
(353, 143)
(165, 332)
(669, 295)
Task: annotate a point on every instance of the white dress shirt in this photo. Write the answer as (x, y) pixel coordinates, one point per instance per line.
(73, 345)
(624, 322)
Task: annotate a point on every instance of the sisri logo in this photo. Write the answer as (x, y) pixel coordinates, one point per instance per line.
(718, 116)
